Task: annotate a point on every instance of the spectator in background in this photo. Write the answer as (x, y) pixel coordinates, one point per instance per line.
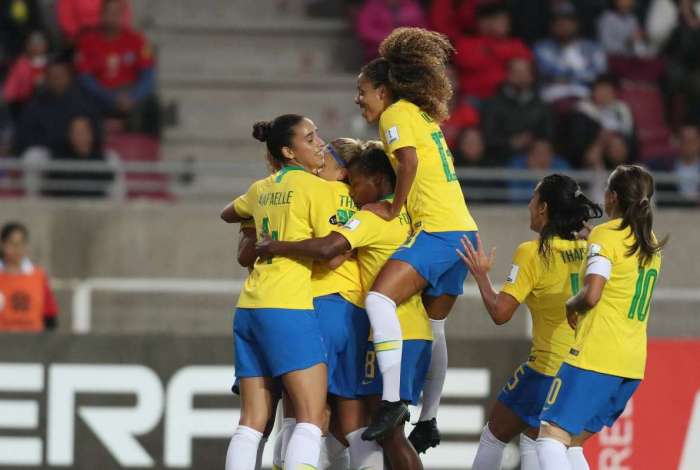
(76, 16)
(462, 113)
(619, 31)
(687, 165)
(378, 18)
(18, 18)
(567, 63)
(469, 148)
(539, 157)
(82, 146)
(45, 118)
(603, 112)
(454, 18)
(609, 150)
(514, 118)
(26, 301)
(26, 74)
(482, 60)
(116, 68)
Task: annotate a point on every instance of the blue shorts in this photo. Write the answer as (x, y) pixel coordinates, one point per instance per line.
(433, 256)
(270, 342)
(415, 359)
(345, 329)
(525, 393)
(584, 400)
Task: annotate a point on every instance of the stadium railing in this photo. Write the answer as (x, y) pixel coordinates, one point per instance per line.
(83, 289)
(206, 179)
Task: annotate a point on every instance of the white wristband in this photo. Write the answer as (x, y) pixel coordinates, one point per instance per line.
(599, 265)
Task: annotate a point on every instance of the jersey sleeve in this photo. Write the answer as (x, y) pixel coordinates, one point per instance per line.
(396, 129)
(243, 205)
(361, 230)
(524, 272)
(601, 242)
(322, 206)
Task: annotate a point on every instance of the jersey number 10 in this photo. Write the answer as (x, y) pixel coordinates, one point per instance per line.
(642, 294)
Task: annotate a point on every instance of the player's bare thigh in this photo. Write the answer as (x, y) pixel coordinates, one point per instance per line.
(398, 280)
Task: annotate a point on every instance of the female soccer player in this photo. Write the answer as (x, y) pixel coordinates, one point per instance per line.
(606, 362)
(544, 274)
(406, 90)
(275, 306)
(373, 179)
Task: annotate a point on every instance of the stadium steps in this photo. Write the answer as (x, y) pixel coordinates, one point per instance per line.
(215, 12)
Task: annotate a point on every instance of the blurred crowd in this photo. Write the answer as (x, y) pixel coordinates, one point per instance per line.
(557, 84)
(67, 95)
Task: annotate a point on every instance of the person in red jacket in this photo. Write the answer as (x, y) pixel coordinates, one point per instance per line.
(454, 18)
(482, 60)
(116, 67)
(26, 74)
(26, 301)
(76, 16)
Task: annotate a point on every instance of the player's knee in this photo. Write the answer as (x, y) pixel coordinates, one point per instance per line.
(552, 431)
(257, 419)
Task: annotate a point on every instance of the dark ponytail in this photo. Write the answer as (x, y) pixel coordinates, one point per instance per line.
(372, 161)
(634, 187)
(277, 134)
(7, 230)
(567, 209)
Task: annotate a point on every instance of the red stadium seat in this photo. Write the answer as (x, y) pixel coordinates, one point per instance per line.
(646, 103)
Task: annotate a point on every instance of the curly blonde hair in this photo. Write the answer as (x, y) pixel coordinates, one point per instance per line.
(412, 64)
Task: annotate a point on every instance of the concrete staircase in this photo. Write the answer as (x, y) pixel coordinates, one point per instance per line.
(226, 64)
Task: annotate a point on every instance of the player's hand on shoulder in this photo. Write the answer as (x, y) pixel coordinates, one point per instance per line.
(571, 317)
(584, 232)
(381, 209)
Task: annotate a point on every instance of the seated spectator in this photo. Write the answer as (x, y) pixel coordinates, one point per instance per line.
(18, 18)
(454, 18)
(482, 60)
(602, 112)
(514, 118)
(77, 16)
(378, 18)
(609, 150)
(26, 301)
(116, 68)
(81, 146)
(619, 31)
(539, 157)
(687, 166)
(567, 64)
(469, 149)
(45, 118)
(26, 74)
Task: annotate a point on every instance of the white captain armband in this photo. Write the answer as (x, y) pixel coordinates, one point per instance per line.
(599, 265)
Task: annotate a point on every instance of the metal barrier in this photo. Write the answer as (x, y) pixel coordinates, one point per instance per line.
(83, 290)
(214, 179)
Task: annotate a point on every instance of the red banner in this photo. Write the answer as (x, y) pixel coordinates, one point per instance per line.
(660, 429)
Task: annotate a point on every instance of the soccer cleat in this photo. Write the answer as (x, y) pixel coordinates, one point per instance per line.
(389, 416)
(425, 435)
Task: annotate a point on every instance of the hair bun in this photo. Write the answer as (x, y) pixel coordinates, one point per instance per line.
(261, 130)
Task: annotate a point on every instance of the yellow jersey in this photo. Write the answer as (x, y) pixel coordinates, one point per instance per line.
(611, 338)
(545, 284)
(290, 205)
(435, 201)
(345, 279)
(376, 240)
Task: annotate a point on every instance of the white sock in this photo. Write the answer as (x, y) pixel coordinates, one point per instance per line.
(577, 459)
(336, 453)
(281, 443)
(490, 452)
(365, 455)
(304, 447)
(528, 454)
(552, 454)
(435, 379)
(261, 449)
(243, 449)
(388, 344)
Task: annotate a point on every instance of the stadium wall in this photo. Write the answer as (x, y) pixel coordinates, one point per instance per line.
(85, 239)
